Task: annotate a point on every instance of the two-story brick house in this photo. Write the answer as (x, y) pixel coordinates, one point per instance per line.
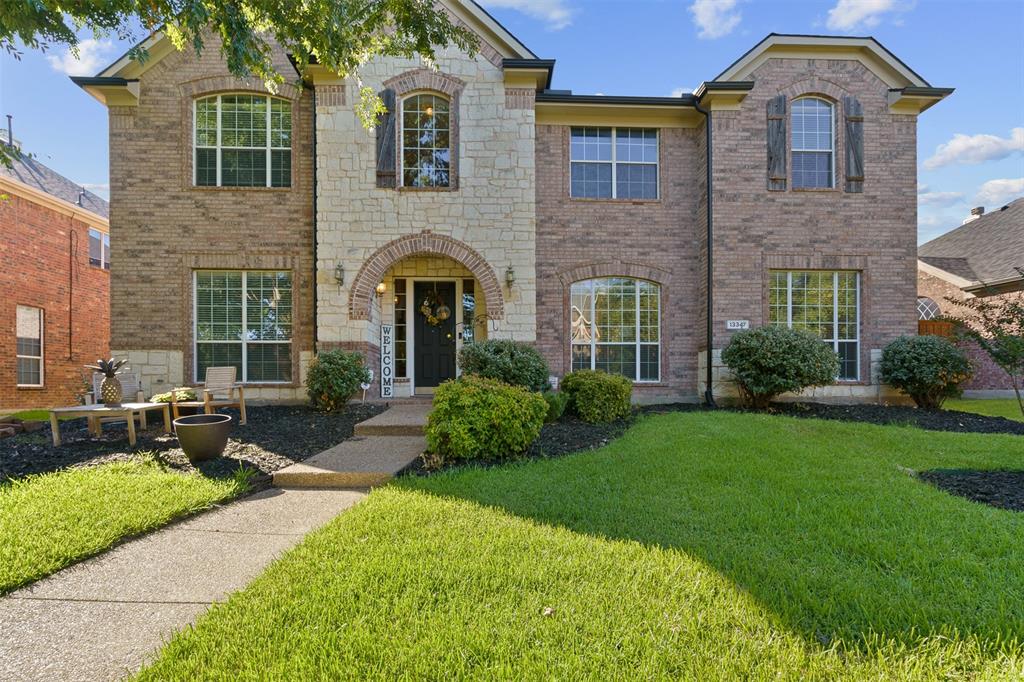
(485, 204)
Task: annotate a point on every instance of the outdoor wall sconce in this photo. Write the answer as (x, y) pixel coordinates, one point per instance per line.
(510, 277)
(381, 288)
(339, 274)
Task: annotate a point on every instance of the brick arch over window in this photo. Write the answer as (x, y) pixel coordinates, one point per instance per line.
(212, 85)
(425, 79)
(424, 244)
(815, 87)
(578, 273)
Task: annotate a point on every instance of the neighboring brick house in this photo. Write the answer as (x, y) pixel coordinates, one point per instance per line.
(984, 257)
(485, 204)
(55, 286)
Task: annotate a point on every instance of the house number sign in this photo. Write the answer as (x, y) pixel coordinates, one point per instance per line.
(734, 325)
(387, 361)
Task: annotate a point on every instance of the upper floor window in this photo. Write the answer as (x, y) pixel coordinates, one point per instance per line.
(426, 141)
(616, 327)
(99, 249)
(243, 141)
(29, 346)
(614, 163)
(813, 144)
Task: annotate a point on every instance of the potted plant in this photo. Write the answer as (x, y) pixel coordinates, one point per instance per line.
(110, 387)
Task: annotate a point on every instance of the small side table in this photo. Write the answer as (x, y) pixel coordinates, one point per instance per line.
(95, 413)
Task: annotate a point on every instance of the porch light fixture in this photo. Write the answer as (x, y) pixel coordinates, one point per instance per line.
(339, 274)
(510, 277)
(381, 288)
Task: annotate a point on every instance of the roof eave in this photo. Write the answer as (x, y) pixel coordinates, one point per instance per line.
(110, 90)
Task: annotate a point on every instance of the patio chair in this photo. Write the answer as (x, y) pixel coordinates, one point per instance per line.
(219, 380)
(131, 391)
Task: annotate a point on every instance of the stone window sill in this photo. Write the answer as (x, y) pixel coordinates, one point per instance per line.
(21, 387)
(621, 202)
(210, 188)
(819, 190)
(403, 188)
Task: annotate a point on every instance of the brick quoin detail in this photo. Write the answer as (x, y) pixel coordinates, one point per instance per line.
(426, 243)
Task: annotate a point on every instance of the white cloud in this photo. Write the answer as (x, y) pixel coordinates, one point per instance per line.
(679, 92)
(925, 198)
(973, 149)
(851, 14)
(996, 193)
(715, 18)
(555, 13)
(92, 56)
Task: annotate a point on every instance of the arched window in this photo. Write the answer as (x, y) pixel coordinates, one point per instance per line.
(426, 141)
(243, 141)
(616, 327)
(813, 143)
(927, 309)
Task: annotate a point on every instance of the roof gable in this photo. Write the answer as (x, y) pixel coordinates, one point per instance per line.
(986, 250)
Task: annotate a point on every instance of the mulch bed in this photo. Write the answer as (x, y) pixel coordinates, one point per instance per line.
(903, 415)
(1001, 489)
(273, 437)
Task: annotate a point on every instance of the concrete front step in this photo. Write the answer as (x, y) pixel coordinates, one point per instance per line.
(359, 462)
(399, 420)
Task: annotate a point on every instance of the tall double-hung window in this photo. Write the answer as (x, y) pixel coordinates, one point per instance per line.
(244, 319)
(813, 144)
(426, 141)
(29, 345)
(613, 163)
(243, 141)
(616, 327)
(826, 303)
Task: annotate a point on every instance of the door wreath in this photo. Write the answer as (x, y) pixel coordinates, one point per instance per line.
(434, 309)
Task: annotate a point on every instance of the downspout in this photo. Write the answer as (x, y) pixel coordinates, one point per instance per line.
(316, 301)
(709, 395)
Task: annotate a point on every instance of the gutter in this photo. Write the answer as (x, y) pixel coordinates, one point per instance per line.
(566, 97)
(709, 394)
(316, 301)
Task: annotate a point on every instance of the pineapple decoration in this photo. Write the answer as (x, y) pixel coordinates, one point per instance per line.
(110, 387)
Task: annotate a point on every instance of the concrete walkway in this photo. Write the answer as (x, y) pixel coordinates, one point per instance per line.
(382, 446)
(103, 618)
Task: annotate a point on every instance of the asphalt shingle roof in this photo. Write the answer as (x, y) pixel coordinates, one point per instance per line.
(984, 250)
(34, 174)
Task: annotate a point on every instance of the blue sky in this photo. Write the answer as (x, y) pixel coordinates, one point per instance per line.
(970, 147)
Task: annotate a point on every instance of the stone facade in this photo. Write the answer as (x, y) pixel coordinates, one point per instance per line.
(49, 269)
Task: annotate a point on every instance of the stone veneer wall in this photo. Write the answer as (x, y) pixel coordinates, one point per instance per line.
(875, 232)
(491, 211)
(162, 227)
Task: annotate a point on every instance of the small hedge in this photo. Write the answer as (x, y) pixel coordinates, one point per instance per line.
(598, 397)
(557, 402)
(511, 362)
(180, 395)
(334, 377)
(929, 369)
(769, 361)
(482, 419)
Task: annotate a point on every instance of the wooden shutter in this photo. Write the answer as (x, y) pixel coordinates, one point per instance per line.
(854, 114)
(386, 174)
(777, 143)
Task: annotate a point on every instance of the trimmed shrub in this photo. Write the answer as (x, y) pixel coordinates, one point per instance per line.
(511, 362)
(598, 396)
(557, 403)
(929, 369)
(769, 361)
(334, 377)
(180, 394)
(482, 419)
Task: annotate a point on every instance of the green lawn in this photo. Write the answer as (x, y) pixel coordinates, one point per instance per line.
(698, 546)
(996, 407)
(52, 520)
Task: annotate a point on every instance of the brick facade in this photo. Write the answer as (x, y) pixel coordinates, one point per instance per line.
(47, 257)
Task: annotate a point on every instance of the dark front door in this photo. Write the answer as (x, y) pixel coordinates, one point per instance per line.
(434, 343)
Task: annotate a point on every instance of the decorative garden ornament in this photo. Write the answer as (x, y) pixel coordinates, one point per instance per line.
(434, 309)
(110, 387)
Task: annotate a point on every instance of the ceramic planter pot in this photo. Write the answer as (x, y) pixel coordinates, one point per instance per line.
(203, 436)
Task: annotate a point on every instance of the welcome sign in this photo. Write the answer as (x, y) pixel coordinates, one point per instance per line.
(387, 361)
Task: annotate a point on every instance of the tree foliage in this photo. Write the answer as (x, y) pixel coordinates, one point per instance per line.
(997, 325)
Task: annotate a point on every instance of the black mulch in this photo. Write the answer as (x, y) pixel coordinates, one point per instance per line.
(273, 437)
(1002, 489)
(904, 415)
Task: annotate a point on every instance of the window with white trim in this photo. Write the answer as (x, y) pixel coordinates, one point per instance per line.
(243, 319)
(927, 309)
(616, 327)
(426, 141)
(99, 249)
(813, 143)
(613, 163)
(242, 141)
(826, 303)
(29, 345)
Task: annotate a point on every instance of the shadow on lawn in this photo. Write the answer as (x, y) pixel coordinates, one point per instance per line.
(849, 549)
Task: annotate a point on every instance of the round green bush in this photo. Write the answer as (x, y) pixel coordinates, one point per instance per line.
(768, 361)
(474, 418)
(927, 368)
(557, 402)
(334, 377)
(598, 396)
(511, 362)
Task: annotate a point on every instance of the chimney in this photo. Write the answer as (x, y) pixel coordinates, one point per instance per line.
(10, 131)
(978, 211)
